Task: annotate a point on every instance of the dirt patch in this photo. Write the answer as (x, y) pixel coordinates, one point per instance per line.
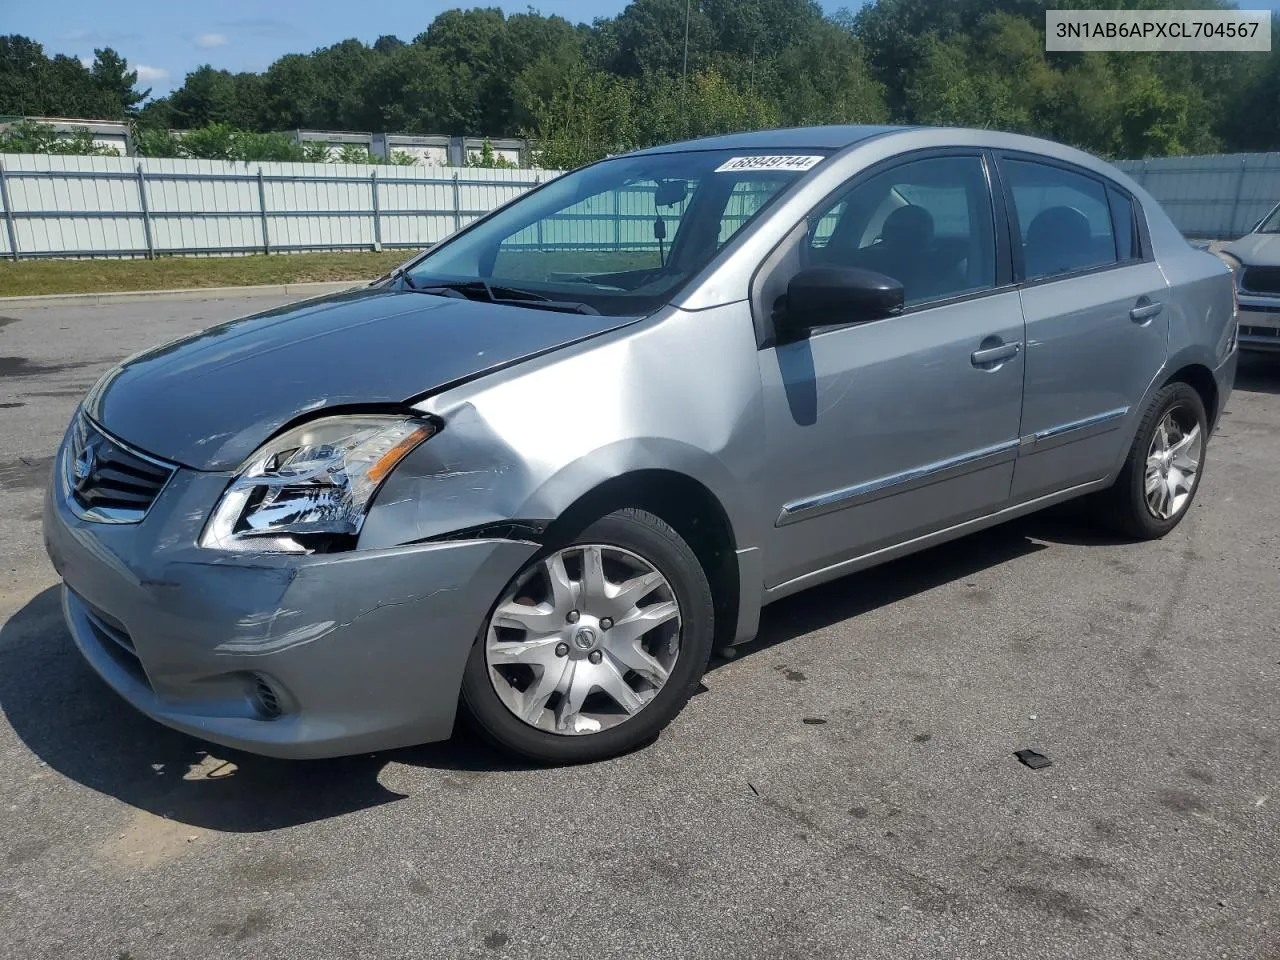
(26, 473)
(22, 367)
(149, 841)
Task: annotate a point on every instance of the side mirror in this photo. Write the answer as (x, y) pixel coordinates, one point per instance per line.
(831, 296)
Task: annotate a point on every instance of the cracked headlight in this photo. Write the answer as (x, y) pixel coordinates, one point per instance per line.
(312, 483)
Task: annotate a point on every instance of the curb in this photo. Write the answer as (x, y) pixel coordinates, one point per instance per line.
(192, 293)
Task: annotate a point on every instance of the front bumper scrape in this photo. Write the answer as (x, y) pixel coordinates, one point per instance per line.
(360, 651)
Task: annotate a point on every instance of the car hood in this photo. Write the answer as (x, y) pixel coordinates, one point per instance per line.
(1256, 249)
(207, 401)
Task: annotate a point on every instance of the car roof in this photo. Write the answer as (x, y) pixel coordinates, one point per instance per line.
(834, 137)
(838, 137)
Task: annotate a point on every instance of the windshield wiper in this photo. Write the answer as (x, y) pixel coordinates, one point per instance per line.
(509, 296)
(401, 274)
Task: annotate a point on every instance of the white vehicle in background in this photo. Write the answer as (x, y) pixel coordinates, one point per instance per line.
(1255, 261)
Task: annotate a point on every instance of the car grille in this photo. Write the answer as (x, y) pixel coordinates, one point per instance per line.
(1269, 332)
(1260, 279)
(106, 480)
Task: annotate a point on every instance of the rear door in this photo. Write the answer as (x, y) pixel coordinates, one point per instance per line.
(1097, 329)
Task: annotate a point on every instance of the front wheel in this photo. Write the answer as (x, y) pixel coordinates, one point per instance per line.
(1162, 472)
(595, 645)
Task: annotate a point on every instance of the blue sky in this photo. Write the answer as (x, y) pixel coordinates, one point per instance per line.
(164, 39)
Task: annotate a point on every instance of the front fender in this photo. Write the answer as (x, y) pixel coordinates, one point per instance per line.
(469, 477)
(679, 392)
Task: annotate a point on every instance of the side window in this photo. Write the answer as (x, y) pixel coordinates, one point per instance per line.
(1063, 218)
(926, 223)
(1125, 225)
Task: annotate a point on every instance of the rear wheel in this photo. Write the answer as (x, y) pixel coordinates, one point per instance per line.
(1162, 473)
(595, 645)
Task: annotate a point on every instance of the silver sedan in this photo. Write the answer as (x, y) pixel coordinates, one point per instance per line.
(542, 471)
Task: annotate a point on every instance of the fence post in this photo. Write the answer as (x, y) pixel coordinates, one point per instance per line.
(457, 205)
(1143, 179)
(617, 220)
(1233, 231)
(537, 180)
(377, 220)
(146, 213)
(262, 213)
(8, 214)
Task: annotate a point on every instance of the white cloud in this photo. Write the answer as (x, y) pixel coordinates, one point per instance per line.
(150, 75)
(210, 40)
(97, 38)
(88, 62)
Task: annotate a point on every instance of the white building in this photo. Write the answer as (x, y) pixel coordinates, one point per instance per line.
(106, 133)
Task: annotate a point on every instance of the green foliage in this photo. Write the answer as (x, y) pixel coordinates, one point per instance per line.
(216, 96)
(156, 142)
(401, 159)
(217, 141)
(314, 151)
(589, 115)
(35, 85)
(27, 137)
(279, 147)
(630, 80)
(356, 153)
(488, 158)
(110, 73)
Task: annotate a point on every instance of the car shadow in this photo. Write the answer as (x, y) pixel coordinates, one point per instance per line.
(863, 592)
(1259, 373)
(74, 723)
(78, 726)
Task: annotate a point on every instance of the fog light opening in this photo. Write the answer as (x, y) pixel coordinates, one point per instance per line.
(265, 699)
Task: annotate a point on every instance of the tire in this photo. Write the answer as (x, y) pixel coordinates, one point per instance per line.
(1126, 508)
(558, 733)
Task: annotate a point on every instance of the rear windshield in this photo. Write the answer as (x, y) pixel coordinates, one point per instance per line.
(621, 236)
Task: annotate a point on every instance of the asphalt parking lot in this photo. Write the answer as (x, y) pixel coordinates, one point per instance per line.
(899, 826)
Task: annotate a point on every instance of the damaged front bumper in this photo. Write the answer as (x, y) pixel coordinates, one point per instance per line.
(287, 656)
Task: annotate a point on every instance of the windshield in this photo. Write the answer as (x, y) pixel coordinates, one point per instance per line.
(619, 237)
(1270, 223)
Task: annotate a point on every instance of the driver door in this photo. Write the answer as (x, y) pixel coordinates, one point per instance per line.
(886, 431)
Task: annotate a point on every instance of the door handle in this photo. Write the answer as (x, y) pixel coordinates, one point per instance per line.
(1145, 311)
(998, 354)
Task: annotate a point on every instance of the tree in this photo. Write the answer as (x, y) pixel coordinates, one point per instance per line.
(622, 81)
(113, 78)
(826, 79)
(216, 96)
(23, 66)
(588, 116)
(649, 37)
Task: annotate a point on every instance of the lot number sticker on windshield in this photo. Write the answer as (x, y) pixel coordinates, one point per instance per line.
(770, 162)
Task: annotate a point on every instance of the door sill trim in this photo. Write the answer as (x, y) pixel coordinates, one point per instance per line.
(861, 562)
(1075, 430)
(896, 483)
